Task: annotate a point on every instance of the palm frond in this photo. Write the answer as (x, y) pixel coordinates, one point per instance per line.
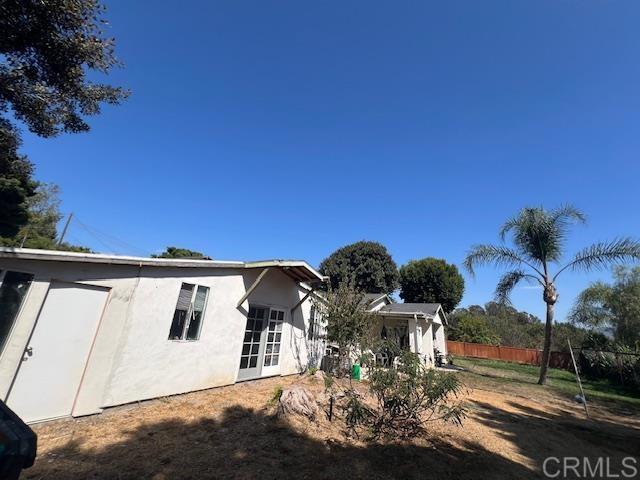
(507, 283)
(496, 255)
(567, 213)
(603, 255)
(508, 226)
(540, 234)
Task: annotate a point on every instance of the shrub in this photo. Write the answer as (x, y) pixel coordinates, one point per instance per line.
(328, 382)
(406, 398)
(617, 367)
(277, 394)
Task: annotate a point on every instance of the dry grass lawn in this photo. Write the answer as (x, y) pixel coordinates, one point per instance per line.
(231, 432)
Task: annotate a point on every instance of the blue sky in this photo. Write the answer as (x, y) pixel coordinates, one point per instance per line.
(286, 129)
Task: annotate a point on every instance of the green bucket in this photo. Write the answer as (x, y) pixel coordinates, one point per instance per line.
(355, 372)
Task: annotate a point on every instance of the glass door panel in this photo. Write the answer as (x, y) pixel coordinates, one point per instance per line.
(273, 344)
(250, 366)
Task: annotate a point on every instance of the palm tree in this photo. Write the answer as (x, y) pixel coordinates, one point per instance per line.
(539, 239)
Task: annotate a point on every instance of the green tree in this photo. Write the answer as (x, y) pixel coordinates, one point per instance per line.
(16, 183)
(564, 331)
(47, 49)
(40, 231)
(367, 266)
(472, 329)
(539, 242)
(431, 280)
(516, 329)
(349, 324)
(612, 308)
(176, 252)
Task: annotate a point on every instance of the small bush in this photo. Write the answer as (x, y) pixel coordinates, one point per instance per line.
(313, 370)
(277, 394)
(619, 368)
(407, 398)
(356, 412)
(328, 382)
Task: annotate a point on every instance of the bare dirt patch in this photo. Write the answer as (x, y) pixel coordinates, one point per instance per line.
(233, 432)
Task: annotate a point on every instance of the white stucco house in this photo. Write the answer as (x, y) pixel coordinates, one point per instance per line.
(82, 332)
(416, 326)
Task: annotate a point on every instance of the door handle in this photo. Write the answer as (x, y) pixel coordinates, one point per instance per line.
(28, 352)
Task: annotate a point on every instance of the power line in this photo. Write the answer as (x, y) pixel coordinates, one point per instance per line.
(110, 241)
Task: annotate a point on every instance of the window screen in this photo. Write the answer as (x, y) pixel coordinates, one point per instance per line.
(12, 292)
(199, 301)
(187, 318)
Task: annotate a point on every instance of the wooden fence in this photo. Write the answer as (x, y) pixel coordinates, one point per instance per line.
(529, 356)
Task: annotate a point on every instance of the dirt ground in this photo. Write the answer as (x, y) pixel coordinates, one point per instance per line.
(231, 432)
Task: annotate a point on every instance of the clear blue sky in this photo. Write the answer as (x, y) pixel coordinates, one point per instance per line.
(287, 129)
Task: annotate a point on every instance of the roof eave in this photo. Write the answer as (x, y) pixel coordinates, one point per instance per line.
(299, 270)
(403, 314)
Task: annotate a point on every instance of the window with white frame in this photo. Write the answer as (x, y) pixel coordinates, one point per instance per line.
(187, 318)
(13, 290)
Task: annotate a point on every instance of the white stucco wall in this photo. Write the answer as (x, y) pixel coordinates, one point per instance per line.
(132, 359)
(427, 341)
(120, 279)
(148, 365)
(441, 342)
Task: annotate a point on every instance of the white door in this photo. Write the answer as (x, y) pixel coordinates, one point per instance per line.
(262, 347)
(273, 343)
(51, 370)
(253, 344)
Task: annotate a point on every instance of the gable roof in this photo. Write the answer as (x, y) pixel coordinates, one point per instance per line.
(369, 298)
(299, 270)
(426, 310)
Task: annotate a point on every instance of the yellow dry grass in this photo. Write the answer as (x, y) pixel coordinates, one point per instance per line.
(231, 432)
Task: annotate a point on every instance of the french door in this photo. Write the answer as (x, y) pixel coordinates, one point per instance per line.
(262, 344)
(272, 351)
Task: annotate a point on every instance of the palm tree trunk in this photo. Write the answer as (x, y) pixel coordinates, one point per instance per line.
(546, 352)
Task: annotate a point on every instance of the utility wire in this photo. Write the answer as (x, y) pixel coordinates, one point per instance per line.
(110, 241)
